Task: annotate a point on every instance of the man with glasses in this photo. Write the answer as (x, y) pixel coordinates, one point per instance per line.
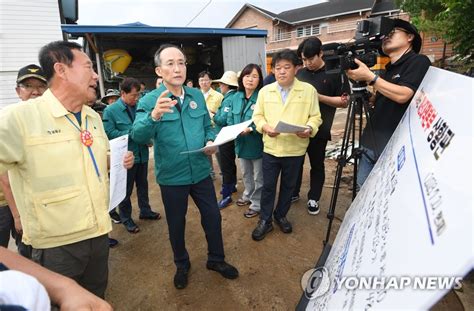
(30, 83)
(176, 118)
(394, 90)
(118, 120)
(213, 101)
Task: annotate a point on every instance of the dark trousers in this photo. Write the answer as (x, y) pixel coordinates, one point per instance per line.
(137, 174)
(86, 262)
(7, 227)
(175, 201)
(226, 160)
(316, 153)
(272, 167)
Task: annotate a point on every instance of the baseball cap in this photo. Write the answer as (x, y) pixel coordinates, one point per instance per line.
(410, 28)
(31, 71)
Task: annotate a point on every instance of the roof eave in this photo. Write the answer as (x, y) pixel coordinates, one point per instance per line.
(329, 16)
(387, 12)
(245, 6)
(81, 30)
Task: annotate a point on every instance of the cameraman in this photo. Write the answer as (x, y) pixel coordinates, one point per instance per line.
(394, 90)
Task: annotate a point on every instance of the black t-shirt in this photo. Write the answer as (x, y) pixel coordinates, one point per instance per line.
(329, 85)
(407, 71)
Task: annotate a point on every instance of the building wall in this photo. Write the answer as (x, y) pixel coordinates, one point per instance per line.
(331, 30)
(251, 18)
(25, 26)
(433, 47)
(340, 29)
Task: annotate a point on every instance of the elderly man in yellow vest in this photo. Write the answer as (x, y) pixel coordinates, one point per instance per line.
(55, 150)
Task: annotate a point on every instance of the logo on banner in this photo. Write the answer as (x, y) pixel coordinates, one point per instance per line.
(315, 282)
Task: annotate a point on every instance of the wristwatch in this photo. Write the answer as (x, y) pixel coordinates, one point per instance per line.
(374, 80)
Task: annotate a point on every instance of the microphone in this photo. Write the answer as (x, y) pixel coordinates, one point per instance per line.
(178, 106)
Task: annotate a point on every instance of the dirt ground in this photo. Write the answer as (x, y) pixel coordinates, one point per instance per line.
(142, 268)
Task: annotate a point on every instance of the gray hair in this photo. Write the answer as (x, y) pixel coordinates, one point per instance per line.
(162, 47)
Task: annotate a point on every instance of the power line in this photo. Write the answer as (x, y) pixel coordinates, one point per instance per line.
(199, 13)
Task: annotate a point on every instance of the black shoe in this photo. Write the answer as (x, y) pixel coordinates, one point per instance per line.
(151, 215)
(284, 224)
(131, 226)
(295, 198)
(181, 277)
(113, 243)
(115, 217)
(261, 230)
(226, 270)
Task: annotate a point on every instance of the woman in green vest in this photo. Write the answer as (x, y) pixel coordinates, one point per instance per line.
(248, 145)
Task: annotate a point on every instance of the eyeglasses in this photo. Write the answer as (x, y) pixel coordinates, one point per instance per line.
(31, 88)
(173, 64)
(394, 30)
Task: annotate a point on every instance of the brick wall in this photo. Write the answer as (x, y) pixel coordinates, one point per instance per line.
(251, 18)
(340, 29)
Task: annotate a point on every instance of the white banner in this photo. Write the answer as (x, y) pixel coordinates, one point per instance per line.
(408, 236)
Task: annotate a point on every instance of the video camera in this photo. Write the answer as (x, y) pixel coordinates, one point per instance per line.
(368, 40)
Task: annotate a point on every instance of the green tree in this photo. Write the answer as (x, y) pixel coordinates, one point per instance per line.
(451, 19)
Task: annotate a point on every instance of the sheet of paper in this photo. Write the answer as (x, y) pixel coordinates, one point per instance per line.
(227, 133)
(118, 173)
(283, 127)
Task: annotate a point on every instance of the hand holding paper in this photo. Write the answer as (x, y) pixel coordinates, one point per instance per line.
(270, 131)
(283, 127)
(128, 160)
(210, 148)
(227, 133)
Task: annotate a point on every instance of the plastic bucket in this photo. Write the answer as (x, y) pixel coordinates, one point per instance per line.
(118, 60)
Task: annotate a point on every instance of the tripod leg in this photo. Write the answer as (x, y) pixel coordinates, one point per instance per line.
(341, 162)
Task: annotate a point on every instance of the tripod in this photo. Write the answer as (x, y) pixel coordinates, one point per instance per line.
(358, 106)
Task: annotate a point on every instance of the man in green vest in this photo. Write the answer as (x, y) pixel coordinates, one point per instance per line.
(118, 120)
(176, 117)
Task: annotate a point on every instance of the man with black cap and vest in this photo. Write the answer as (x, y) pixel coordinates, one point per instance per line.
(30, 83)
(394, 90)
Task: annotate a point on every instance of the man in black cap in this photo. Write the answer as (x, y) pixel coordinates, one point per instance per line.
(394, 90)
(30, 82)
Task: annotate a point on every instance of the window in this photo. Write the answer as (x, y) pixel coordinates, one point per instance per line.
(315, 30)
(278, 34)
(299, 32)
(310, 30)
